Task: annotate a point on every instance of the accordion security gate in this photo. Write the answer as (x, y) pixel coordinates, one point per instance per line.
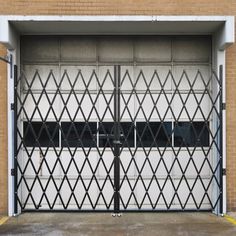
(117, 138)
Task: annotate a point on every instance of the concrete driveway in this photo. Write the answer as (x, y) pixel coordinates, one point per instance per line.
(145, 224)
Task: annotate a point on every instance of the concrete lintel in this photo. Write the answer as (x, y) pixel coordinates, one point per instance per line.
(222, 26)
(8, 36)
(225, 36)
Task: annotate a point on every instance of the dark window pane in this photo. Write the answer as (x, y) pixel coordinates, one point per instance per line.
(147, 132)
(106, 134)
(41, 134)
(79, 134)
(127, 134)
(191, 135)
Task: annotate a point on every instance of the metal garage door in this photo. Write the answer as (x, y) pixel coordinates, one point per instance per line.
(118, 124)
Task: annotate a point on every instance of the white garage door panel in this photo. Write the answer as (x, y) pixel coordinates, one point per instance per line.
(191, 110)
(81, 49)
(84, 167)
(43, 102)
(198, 193)
(106, 107)
(106, 78)
(84, 196)
(154, 106)
(78, 78)
(196, 77)
(192, 49)
(42, 165)
(153, 49)
(69, 107)
(39, 76)
(80, 193)
(40, 48)
(139, 193)
(154, 76)
(168, 190)
(37, 192)
(155, 193)
(161, 165)
(76, 112)
(127, 78)
(162, 48)
(115, 49)
(81, 164)
(106, 165)
(127, 106)
(127, 165)
(191, 165)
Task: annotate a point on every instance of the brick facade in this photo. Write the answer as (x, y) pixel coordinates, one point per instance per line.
(125, 7)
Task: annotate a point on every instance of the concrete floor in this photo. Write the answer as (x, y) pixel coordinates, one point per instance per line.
(163, 224)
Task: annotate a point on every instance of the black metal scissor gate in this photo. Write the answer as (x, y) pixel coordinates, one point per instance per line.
(118, 140)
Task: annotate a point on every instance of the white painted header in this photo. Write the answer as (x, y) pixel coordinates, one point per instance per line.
(13, 25)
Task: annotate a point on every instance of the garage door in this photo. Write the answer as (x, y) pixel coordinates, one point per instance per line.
(117, 123)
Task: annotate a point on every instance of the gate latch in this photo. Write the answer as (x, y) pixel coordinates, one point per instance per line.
(223, 106)
(12, 172)
(224, 171)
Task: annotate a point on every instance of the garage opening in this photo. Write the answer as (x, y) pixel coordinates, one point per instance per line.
(118, 123)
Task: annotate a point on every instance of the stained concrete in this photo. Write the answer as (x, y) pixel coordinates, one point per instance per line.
(145, 224)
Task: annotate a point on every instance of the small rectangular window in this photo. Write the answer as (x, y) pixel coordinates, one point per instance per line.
(41, 134)
(78, 134)
(195, 134)
(153, 134)
(106, 134)
(127, 134)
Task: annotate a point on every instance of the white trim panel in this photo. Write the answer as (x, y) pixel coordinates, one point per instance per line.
(221, 25)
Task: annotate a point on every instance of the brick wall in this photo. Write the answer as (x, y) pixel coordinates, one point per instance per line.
(126, 7)
(108, 7)
(231, 126)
